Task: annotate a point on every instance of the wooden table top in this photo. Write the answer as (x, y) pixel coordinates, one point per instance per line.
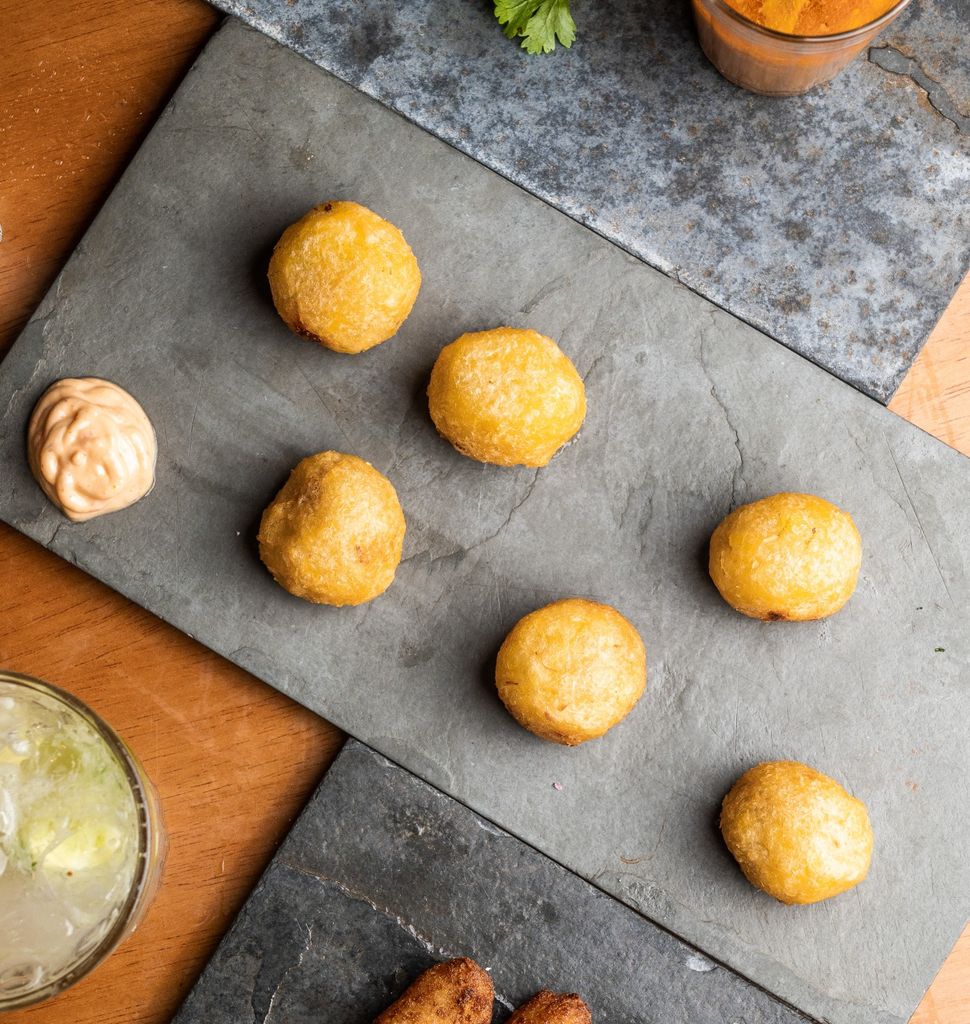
(81, 82)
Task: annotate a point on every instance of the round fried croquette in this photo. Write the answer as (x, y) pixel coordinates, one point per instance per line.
(790, 556)
(796, 833)
(453, 992)
(344, 276)
(334, 533)
(506, 396)
(570, 671)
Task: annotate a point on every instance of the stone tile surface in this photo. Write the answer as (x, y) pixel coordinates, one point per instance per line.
(383, 875)
(837, 222)
(690, 412)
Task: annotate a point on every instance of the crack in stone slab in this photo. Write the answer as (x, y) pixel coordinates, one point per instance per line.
(594, 364)
(354, 894)
(919, 522)
(295, 966)
(323, 402)
(462, 551)
(645, 508)
(423, 940)
(42, 321)
(738, 475)
(508, 519)
(550, 288)
(897, 63)
(433, 559)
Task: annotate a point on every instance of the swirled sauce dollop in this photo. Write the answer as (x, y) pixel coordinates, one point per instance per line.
(91, 447)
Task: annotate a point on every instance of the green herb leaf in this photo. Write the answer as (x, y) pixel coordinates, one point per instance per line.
(540, 23)
(514, 15)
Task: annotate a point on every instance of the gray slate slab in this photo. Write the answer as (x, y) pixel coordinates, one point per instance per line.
(384, 875)
(837, 222)
(690, 412)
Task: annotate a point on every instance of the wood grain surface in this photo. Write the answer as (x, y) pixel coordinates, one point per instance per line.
(81, 82)
(935, 394)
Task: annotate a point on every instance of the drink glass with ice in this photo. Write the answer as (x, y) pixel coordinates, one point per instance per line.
(81, 840)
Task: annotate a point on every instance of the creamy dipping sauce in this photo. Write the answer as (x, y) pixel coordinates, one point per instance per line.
(91, 447)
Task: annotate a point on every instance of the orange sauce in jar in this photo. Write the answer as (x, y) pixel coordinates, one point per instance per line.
(786, 47)
(811, 17)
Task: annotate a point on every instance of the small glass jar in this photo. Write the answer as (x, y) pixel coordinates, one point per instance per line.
(82, 845)
(774, 63)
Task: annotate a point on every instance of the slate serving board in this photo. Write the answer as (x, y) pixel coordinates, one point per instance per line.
(690, 412)
(837, 222)
(384, 875)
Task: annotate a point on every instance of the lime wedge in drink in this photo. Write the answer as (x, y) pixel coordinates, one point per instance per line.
(70, 846)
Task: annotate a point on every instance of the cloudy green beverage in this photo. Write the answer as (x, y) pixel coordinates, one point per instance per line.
(73, 822)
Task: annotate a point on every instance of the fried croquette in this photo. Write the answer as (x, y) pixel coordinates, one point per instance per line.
(790, 556)
(549, 1008)
(344, 276)
(334, 533)
(570, 671)
(796, 833)
(506, 396)
(454, 992)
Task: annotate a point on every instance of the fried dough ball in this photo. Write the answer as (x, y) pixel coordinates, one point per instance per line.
(506, 396)
(790, 556)
(334, 533)
(796, 833)
(570, 671)
(454, 992)
(549, 1008)
(343, 276)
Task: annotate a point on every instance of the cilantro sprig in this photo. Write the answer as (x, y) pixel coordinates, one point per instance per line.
(539, 23)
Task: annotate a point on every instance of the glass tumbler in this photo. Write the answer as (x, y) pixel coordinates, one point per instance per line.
(82, 843)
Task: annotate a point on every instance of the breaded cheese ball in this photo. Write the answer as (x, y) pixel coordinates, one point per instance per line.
(570, 671)
(790, 556)
(334, 533)
(506, 396)
(344, 276)
(453, 992)
(796, 833)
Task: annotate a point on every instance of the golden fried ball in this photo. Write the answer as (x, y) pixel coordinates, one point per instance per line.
(334, 533)
(344, 276)
(796, 833)
(506, 396)
(570, 671)
(790, 556)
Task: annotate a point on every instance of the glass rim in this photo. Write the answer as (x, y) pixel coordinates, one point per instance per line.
(788, 37)
(134, 775)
